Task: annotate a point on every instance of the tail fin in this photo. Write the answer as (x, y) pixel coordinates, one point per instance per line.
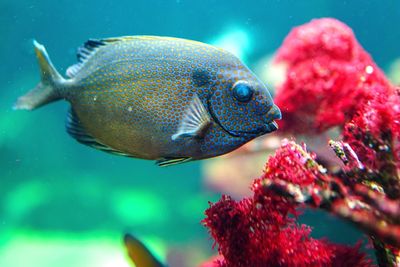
(45, 92)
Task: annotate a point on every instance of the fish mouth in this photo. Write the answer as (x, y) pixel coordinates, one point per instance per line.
(264, 129)
(271, 127)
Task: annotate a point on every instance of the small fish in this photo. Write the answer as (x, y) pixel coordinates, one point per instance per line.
(139, 254)
(166, 99)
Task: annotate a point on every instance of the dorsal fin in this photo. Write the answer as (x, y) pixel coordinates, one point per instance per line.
(89, 48)
(75, 130)
(84, 52)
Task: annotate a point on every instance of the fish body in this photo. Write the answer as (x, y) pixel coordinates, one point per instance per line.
(159, 98)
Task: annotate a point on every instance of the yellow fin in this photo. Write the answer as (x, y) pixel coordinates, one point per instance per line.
(46, 91)
(139, 253)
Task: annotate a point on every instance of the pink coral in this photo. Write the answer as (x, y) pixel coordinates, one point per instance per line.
(329, 75)
(331, 81)
(260, 231)
(214, 261)
(374, 133)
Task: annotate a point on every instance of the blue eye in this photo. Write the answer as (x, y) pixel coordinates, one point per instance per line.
(242, 91)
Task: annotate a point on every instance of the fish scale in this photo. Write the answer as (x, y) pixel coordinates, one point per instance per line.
(162, 98)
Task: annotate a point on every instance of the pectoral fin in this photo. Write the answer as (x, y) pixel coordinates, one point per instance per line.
(195, 121)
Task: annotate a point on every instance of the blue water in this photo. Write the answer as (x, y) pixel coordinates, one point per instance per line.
(64, 204)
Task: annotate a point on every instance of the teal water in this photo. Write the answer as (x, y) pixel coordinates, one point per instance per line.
(64, 204)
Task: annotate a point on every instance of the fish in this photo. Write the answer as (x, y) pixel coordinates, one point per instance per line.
(139, 254)
(166, 99)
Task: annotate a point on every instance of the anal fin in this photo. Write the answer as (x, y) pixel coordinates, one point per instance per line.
(76, 130)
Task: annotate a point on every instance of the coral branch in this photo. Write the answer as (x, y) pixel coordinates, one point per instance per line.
(365, 206)
(350, 207)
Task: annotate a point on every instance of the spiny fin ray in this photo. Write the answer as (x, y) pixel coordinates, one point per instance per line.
(163, 162)
(87, 50)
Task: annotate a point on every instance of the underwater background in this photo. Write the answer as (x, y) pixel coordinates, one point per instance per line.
(64, 204)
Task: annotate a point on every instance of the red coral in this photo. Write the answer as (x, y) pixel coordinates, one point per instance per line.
(374, 135)
(320, 37)
(215, 261)
(350, 256)
(331, 81)
(259, 231)
(374, 132)
(329, 75)
(290, 164)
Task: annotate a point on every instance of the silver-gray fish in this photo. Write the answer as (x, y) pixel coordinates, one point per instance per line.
(167, 99)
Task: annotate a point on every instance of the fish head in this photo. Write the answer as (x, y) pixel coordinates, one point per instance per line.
(243, 106)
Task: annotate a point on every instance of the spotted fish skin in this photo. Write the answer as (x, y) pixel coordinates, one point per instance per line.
(130, 94)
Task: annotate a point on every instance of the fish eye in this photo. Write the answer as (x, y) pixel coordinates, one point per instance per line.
(242, 91)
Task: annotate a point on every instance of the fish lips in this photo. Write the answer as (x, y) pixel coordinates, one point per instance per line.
(270, 127)
(265, 129)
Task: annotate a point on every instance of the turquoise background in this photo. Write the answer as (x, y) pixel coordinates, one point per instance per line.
(64, 204)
